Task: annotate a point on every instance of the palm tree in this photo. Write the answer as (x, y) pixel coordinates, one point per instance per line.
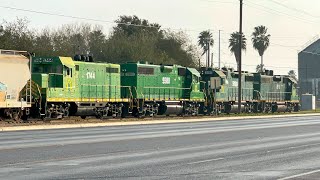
(258, 68)
(234, 45)
(292, 74)
(205, 41)
(261, 41)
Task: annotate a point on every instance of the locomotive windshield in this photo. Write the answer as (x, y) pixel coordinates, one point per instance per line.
(48, 69)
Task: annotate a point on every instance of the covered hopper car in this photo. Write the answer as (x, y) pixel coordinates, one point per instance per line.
(15, 85)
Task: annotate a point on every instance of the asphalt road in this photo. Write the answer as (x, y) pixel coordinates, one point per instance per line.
(287, 148)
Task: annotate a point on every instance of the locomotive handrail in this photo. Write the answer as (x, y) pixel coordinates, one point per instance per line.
(166, 88)
(259, 93)
(235, 93)
(138, 104)
(204, 92)
(131, 96)
(279, 92)
(49, 73)
(164, 94)
(280, 96)
(116, 86)
(13, 52)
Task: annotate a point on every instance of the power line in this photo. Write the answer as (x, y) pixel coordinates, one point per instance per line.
(88, 19)
(278, 67)
(250, 65)
(287, 46)
(112, 22)
(294, 9)
(217, 1)
(273, 11)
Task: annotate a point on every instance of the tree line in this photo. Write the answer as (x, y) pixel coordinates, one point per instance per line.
(131, 39)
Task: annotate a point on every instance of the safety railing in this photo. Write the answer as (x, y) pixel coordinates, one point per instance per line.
(172, 93)
(258, 95)
(104, 92)
(277, 96)
(205, 95)
(246, 94)
(13, 52)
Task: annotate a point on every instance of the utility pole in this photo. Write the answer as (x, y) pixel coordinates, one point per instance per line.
(211, 60)
(219, 50)
(240, 59)
(206, 55)
(208, 52)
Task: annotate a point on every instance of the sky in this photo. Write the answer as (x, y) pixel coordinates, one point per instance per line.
(292, 24)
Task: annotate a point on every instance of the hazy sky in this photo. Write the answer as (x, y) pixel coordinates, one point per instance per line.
(291, 23)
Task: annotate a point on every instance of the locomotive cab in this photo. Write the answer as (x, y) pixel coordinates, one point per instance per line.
(213, 84)
(193, 81)
(50, 72)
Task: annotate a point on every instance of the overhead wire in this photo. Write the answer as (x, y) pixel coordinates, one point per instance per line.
(273, 11)
(294, 9)
(250, 4)
(91, 19)
(213, 1)
(113, 22)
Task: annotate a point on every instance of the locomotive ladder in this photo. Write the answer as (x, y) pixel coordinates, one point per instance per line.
(28, 92)
(31, 90)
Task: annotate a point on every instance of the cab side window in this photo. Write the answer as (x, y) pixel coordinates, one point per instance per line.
(195, 79)
(69, 71)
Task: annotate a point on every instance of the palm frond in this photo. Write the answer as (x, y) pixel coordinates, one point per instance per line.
(205, 40)
(260, 39)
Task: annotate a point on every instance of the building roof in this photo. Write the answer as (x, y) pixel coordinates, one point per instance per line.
(312, 48)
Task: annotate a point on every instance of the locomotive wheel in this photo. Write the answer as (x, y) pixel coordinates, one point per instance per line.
(16, 116)
(141, 115)
(98, 116)
(24, 117)
(66, 112)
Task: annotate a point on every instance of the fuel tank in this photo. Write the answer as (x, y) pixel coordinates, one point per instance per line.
(173, 107)
(279, 108)
(233, 108)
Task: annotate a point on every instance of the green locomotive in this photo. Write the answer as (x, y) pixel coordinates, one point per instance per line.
(162, 89)
(261, 92)
(78, 87)
(275, 93)
(221, 87)
(81, 87)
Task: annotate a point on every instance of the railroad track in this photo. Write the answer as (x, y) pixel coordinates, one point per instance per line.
(73, 120)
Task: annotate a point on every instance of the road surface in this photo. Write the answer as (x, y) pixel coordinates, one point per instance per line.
(277, 148)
